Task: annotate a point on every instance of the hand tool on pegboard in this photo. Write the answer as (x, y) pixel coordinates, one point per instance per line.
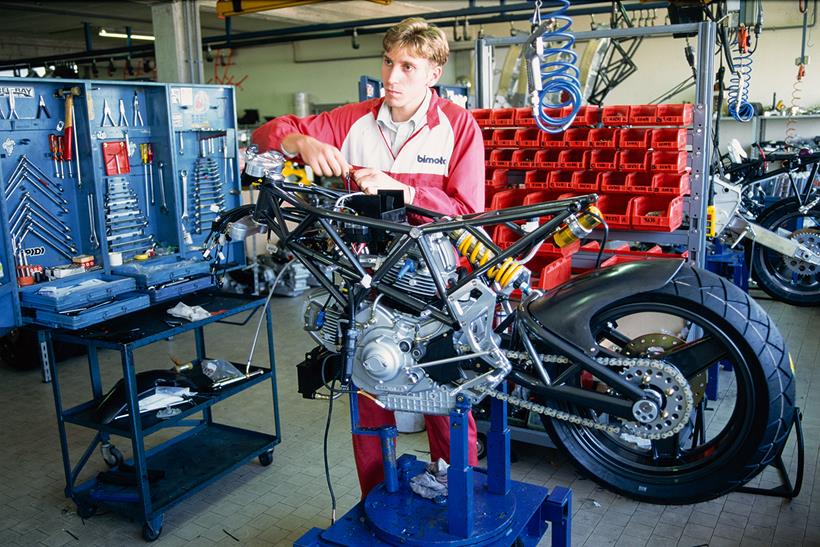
(70, 128)
(42, 108)
(163, 205)
(146, 183)
(137, 114)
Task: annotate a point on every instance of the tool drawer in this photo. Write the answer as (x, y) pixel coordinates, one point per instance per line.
(74, 292)
(162, 270)
(93, 314)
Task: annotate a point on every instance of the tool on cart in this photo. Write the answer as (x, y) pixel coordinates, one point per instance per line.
(149, 151)
(92, 223)
(52, 146)
(42, 108)
(186, 235)
(137, 114)
(144, 156)
(163, 206)
(12, 107)
(123, 121)
(181, 144)
(107, 117)
(125, 223)
(69, 129)
(115, 158)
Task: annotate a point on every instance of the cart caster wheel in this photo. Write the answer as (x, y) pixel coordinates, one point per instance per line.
(151, 533)
(266, 458)
(481, 445)
(111, 455)
(86, 511)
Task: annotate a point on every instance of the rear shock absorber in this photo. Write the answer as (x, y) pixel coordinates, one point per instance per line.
(738, 93)
(509, 274)
(552, 70)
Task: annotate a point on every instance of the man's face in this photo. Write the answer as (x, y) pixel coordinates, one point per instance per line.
(406, 78)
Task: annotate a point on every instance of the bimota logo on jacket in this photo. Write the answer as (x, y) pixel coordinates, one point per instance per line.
(428, 159)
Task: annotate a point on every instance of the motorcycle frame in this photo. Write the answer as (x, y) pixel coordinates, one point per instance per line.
(270, 210)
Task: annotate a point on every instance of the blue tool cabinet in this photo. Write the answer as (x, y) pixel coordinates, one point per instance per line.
(203, 453)
(136, 169)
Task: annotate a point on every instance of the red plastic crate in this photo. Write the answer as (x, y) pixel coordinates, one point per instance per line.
(639, 139)
(509, 198)
(643, 114)
(482, 116)
(536, 178)
(603, 138)
(504, 137)
(548, 159)
(541, 196)
(615, 115)
(585, 181)
(496, 178)
(529, 137)
(549, 271)
(669, 162)
(574, 159)
(655, 252)
(523, 116)
(670, 183)
(657, 213)
(500, 158)
(524, 159)
(639, 183)
(489, 192)
(487, 136)
(603, 160)
(675, 114)
(616, 210)
(561, 180)
(587, 115)
(669, 139)
(487, 154)
(614, 182)
(577, 137)
(502, 116)
(633, 160)
(552, 140)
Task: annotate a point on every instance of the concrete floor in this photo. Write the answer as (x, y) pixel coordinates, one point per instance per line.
(275, 505)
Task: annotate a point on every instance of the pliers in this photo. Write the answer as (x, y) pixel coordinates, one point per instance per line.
(123, 118)
(41, 107)
(137, 114)
(107, 114)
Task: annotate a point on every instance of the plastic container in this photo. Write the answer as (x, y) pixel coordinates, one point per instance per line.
(549, 270)
(585, 181)
(615, 115)
(504, 137)
(603, 160)
(548, 159)
(504, 237)
(675, 114)
(75, 292)
(639, 183)
(635, 138)
(482, 116)
(509, 198)
(643, 114)
(162, 270)
(669, 162)
(500, 158)
(502, 116)
(633, 160)
(668, 183)
(552, 140)
(536, 178)
(496, 178)
(613, 182)
(668, 138)
(561, 180)
(657, 213)
(573, 159)
(175, 290)
(616, 210)
(577, 137)
(523, 116)
(525, 159)
(487, 136)
(529, 137)
(603, 138)
(587, 115)
(123, 303)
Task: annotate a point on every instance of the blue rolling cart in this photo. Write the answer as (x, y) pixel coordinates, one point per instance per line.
(178, 468)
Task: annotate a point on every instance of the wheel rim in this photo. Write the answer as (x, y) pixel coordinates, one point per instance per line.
(723, 433)
(793, 276)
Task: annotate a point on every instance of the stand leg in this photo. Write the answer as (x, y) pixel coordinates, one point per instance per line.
(498, 447)
(460, 503)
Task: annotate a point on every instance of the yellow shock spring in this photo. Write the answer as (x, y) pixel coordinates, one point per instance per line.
(479, 254)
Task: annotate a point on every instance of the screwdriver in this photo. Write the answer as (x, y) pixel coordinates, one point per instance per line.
(60, 155)
(52, 145)
(67, 150)
(144, 157)
(149, 151)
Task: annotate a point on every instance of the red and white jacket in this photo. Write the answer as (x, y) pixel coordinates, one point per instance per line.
(443, 159)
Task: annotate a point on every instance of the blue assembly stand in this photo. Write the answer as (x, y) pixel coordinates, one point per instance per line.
(482, 507)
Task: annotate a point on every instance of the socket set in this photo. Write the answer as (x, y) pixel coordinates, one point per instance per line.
(98, 176)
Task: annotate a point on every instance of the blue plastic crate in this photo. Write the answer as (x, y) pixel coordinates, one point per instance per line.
(160, 294)
(162, 270)
(73, 292)
(122, 304)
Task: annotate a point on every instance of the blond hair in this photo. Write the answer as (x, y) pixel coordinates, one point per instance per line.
(420, 38)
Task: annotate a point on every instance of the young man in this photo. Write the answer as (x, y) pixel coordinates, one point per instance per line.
(410, 140)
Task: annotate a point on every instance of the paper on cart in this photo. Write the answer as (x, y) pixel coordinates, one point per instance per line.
(163, 396)
(191, 313)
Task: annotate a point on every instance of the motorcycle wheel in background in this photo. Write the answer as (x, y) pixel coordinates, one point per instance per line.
(788, 279)
(718, 450)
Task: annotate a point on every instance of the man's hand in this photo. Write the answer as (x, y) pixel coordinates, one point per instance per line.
(325, 159)
(372, 180)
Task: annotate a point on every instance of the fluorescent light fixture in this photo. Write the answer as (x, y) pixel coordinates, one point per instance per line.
(105, 34)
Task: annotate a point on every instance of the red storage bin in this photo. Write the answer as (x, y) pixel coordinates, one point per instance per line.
(675, 114)
(500, 158)
(603, 138)
(496, 177)
(541, 196)
(523, 117)
(639, 139)
(502, 116)
(489, 192)
(482, 116)
(614, 182)
(549, 271)
(487, 154)
(669, 162)
(509, 198)
(524, 159)
(503, 236)
(529, 137)
(504, 137)
(603, 160)
(577, 138)
(585, 181)
(639, 183)
(561, 180)
(587, 115)
(536, 178)
(657, 213)
(669, 183)
(548, 159)
(552, 140)
(574, 159)
(616, 210)
(615, 115)
(669, 139)
(487, 136)
(633, 160)
(643, 114)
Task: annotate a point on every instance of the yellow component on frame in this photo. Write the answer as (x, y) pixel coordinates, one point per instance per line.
(509, 272)
(298, 173)
(578, 227)
(710, 221)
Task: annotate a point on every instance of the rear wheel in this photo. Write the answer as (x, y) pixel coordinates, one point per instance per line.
(696, 322)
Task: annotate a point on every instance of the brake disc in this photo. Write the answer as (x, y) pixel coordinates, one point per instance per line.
(809, 238)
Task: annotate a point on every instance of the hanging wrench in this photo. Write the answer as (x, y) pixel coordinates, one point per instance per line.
(184, 175)
(163, 207)
(92, 223)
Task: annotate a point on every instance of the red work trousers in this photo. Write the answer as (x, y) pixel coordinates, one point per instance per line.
(367, 449)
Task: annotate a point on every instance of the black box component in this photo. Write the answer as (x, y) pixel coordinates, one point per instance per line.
(318, 369)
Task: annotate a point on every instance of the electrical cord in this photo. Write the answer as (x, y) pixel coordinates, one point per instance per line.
(604, 239)
(264, 310)
(324, 450)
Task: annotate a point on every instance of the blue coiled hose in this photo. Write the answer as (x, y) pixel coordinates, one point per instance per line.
(552, 70)
(738, 93)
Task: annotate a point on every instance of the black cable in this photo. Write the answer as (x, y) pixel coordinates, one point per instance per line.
(604, 239)
(327, 465)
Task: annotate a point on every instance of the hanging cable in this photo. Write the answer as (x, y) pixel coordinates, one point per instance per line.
(553, 74)
(797, 87)
(738, 93)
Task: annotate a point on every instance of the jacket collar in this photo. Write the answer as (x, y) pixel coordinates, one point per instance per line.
(432, 109)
